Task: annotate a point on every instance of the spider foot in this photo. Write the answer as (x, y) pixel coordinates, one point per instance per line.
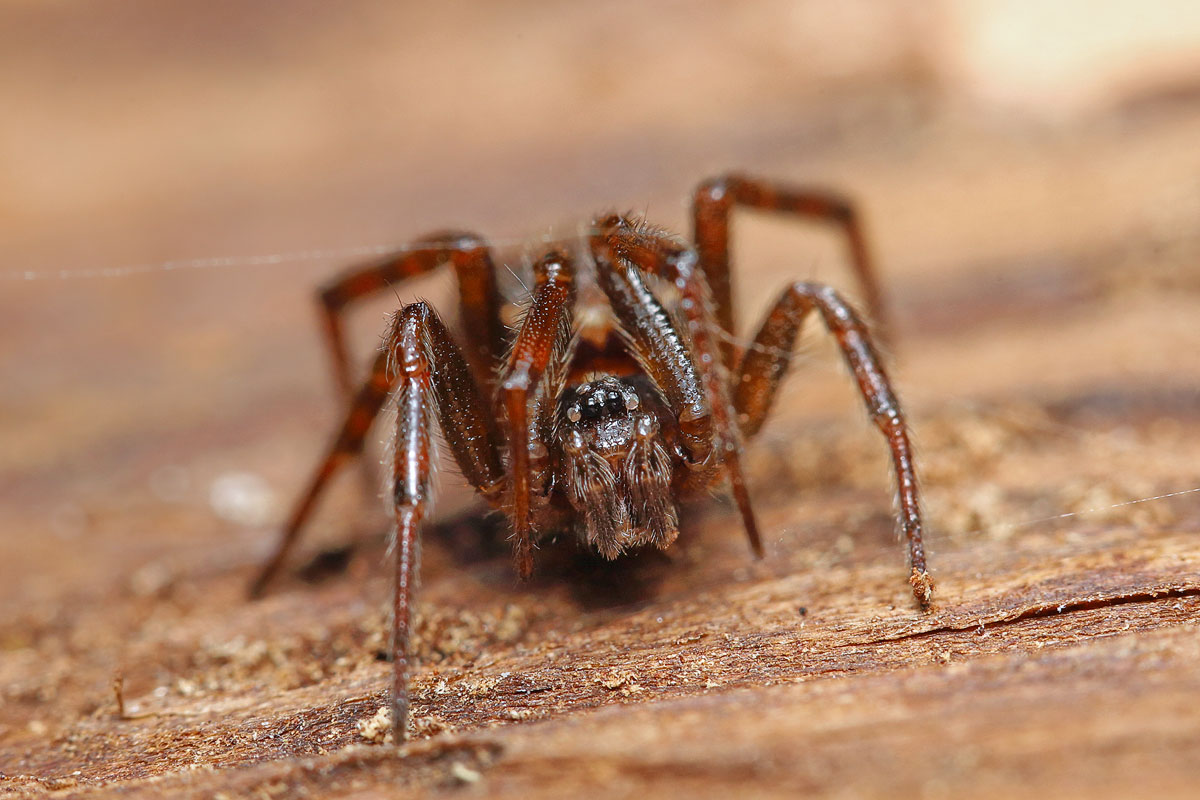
(922, 584)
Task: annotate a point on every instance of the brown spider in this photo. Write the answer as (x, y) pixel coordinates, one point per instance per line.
(584, 420)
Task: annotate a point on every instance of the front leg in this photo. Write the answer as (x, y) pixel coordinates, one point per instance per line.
(691, 374)
(538, 352)
(766, 362)
(471, 434)
(412, 472)
(479, 298)
(431, 377)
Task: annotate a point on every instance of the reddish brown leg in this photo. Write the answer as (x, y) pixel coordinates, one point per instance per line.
(712, 206)
(478, 294)
(412, 472)
(698, 397)
(345, 446)
(766, 361)
(540, 336)
(472, 437)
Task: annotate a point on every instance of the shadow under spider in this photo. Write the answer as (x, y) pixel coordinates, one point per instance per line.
(479, 543)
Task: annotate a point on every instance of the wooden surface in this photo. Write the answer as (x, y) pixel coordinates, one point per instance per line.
(1046, 280)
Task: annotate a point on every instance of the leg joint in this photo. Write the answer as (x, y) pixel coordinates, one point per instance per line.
(715, 191)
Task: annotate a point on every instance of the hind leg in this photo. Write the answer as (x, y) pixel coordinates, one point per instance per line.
(713, 204)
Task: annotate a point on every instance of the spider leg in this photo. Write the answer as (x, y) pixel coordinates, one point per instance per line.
(696, 387)
(766, 361)
(473, 438)
(432, 377)
(712, 205)
(539, 340)
(479, 296)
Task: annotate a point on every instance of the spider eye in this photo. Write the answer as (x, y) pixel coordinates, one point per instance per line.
(632, 402)
(615, 403)
(593, 407)
(574, 414)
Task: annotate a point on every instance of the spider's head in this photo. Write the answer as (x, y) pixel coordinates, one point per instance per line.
(603, 408)
(617, 470)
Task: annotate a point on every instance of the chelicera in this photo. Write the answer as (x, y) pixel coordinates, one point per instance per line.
(619, 392)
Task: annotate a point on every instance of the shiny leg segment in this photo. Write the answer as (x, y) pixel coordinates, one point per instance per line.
(538, 348)
(766, 362)
(471, 433)
(698, 390)
(479, 296)
(713, 204)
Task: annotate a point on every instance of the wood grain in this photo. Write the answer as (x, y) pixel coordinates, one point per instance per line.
(1048, 355)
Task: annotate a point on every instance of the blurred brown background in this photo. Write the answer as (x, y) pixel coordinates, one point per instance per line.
(1028, 171)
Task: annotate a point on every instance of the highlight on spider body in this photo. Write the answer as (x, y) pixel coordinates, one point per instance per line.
(620, 393)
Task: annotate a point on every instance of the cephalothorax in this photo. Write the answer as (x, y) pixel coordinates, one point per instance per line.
(619, 392)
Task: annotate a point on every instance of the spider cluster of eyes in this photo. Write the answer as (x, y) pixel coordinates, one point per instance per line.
(602, 401)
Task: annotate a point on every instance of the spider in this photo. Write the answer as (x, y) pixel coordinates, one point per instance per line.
(619, 392)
